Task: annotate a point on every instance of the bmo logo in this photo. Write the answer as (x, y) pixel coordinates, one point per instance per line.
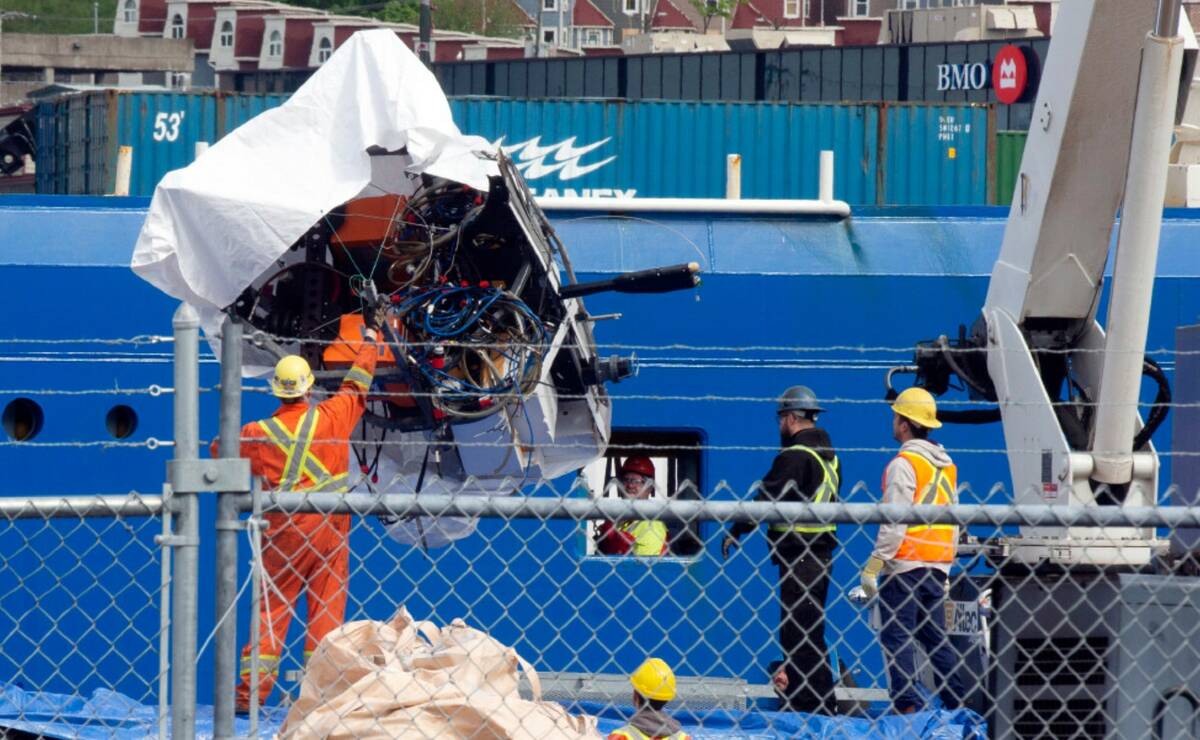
(1008, 74)
(962, 76)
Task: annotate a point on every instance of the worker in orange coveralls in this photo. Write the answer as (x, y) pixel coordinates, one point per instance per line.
(304, 447)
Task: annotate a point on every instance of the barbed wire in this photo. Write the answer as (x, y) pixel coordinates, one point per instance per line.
(150, 443)
(138, 339)
(256, 336)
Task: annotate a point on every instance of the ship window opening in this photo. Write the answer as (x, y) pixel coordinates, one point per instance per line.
(22, 419)
(121, 421)
(676, 456)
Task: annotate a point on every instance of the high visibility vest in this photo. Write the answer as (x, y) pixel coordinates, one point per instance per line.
(629, 732)
(302, 471)
(930, 543)
(649, 537)
(826, 492)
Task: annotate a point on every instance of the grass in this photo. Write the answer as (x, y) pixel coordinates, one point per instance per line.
(58, 16)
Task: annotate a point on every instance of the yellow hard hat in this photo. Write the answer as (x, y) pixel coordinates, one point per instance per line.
(917, 405)
(293, 377)
(654, 680)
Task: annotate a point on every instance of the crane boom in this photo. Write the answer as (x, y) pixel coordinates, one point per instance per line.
(1067, 392)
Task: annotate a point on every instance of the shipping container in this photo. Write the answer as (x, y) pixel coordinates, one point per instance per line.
(678, 150)
(935, 154)
(79, 135)
(902, 154)
(914, 73)
(1010, 146)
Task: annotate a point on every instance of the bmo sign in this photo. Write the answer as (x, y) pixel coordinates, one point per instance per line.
(1008, 75)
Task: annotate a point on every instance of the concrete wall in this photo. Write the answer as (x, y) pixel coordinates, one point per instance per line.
(33, 60)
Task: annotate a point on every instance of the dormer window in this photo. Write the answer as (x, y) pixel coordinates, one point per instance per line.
(226, 36)
(130, 11)
(324, 50)
(177, 26)
(275, 44)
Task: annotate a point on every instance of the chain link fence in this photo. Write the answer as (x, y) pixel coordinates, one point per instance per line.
(446, 613)
(993, 648)
(83, 584)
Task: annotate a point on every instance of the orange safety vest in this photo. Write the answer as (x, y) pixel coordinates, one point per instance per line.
(930, 543)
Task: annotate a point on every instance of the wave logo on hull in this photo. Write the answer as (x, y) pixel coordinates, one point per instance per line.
(535, 160)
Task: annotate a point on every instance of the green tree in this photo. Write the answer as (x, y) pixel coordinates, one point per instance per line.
(710, 9)
(487, 17)
(59, 16)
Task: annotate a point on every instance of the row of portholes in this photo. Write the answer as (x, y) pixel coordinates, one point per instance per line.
(23, 419)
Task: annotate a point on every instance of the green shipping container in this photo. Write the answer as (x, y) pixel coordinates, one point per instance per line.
(1010, 145)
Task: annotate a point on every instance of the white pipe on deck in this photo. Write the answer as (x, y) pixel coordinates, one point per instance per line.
(700, 206)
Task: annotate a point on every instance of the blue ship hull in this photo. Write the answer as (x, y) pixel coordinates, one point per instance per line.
(874, 284)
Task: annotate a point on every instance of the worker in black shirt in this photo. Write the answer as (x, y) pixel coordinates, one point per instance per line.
(805, 470)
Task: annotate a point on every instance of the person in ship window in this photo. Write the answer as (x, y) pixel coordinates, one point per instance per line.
(634, 537)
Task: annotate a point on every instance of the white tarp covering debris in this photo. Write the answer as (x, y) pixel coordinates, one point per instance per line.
(217, 224)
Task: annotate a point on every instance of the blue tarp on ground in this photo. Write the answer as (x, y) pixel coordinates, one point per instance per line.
(108, 715)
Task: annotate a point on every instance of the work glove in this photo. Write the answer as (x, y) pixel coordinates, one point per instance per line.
(373, 307)
(728, 546)
(372, 317)
(869, 580)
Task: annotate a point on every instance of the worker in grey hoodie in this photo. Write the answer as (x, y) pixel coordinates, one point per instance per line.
(653, 686)
(915, 559)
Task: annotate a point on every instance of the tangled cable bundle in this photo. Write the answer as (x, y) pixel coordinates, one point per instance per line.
(464, 286)
(483, 343)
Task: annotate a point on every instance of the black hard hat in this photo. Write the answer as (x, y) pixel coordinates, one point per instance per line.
(799, 398)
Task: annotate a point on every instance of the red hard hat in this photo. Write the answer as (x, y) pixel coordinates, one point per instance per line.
(639, 465)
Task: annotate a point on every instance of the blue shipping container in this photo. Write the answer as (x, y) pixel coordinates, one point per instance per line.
(936, 154)
(668, 149)
(78, 154)
(884, 154)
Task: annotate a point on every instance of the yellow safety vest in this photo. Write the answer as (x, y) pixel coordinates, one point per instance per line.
(629, 732)
(649, 537)
(302, 471)
(826, 492)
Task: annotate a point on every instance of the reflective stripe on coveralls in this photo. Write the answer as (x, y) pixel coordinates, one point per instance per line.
(299, 458)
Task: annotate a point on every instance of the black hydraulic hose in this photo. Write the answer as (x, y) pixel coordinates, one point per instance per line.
(1160, 407)
(948, 355)
(969, 416)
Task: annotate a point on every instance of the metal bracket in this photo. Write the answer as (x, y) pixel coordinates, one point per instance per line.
(230, 475)
(175, 540)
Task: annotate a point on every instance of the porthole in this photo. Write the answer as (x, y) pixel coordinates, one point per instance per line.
(121, 421)
(22, 419)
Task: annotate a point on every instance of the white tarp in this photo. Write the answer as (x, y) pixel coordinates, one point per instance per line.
(217, 224)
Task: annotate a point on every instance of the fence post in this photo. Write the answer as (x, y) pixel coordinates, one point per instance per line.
(228, 525)
(186, 324)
